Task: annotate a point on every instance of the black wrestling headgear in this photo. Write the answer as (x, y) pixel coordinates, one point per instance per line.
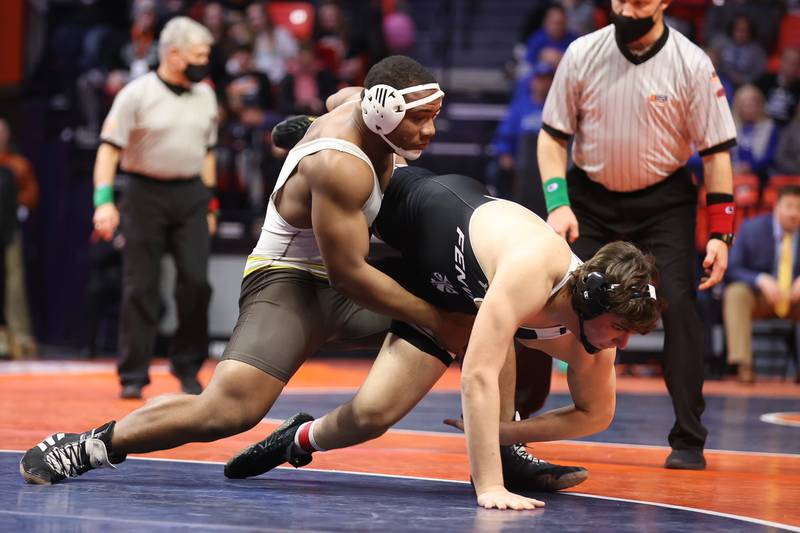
(593, 294)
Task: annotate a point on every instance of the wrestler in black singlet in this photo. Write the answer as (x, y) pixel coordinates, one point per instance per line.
(426, 217)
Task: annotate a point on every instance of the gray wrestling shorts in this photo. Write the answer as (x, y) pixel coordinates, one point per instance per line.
(287, 314)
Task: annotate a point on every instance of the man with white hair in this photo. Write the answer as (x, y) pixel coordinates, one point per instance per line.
(162, 129)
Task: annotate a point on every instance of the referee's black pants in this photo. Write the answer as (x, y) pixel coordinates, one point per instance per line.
(159, 217)
(660, 220)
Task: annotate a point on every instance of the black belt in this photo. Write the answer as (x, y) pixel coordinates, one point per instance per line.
(175, 179)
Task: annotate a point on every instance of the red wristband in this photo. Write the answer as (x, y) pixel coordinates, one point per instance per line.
(720, 217)
(213, 205)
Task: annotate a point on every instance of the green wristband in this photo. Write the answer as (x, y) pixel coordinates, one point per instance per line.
(555, 193)
(104, 194)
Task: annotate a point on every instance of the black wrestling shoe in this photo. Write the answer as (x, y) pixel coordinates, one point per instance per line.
(287, 133)
(273, 451)
(524, 472)
(63, 455)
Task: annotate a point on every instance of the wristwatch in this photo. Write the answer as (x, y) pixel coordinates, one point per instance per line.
(727, 238)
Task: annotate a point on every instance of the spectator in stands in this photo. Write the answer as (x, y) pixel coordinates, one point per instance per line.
(580, 16)
(238, 33)
(552, 34)
(307, 86)
(782, 89)
(756, 134)
(247, 90)
(765, 15)
(763, 277)
(514, 143)
(141, 53)
(273, 45)
(342, 49)
(742, 58)
(250, 115)
(214, 20)
(26, 199)
(787, 158)
(98, 86)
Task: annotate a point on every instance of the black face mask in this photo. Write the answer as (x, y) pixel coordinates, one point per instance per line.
(629, 29)
(196, 72)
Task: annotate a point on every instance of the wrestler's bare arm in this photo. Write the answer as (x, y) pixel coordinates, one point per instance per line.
(592, 384)
(513, 296)
(340, 185)
(341, 96)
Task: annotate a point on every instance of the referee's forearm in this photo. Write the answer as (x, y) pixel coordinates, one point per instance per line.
(718, 173)
(105, 165)
(552, 156)
(209, 174)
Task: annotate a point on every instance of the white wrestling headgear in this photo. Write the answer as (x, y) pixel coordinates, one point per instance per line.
(384, 107)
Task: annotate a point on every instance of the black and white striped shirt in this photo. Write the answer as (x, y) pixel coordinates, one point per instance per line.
(635, 118)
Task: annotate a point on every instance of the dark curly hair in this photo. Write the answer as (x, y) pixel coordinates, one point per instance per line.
(399, 72)
(624, 264)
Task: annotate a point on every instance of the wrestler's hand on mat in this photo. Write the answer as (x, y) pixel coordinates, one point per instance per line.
(106, 220)
(497, 497)
(563, 220)
(453, 331)
(714, 264)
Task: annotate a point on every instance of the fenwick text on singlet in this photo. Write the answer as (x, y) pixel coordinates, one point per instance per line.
(461, 269)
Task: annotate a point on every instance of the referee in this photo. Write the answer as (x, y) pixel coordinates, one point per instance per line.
(160, 130)
(634, 97)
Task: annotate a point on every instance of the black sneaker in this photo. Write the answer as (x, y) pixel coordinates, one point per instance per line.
(273, 451)
(524, 472)
(689, 459)
(287, 133)
(64, 455)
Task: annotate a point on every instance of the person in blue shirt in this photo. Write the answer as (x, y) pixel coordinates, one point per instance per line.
(552, 34)
(514, 143)
(757, 135)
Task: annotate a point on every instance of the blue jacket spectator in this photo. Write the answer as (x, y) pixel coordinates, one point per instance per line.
(515, 172)
(755, 250)
(756, 134)
(754, 289)
(552, 34)
(524, 114)
(742, 58)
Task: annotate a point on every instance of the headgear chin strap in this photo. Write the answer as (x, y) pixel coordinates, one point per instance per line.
(593, 301)
(384, 107)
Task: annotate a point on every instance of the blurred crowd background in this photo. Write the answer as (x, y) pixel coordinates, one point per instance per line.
(65, 60)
